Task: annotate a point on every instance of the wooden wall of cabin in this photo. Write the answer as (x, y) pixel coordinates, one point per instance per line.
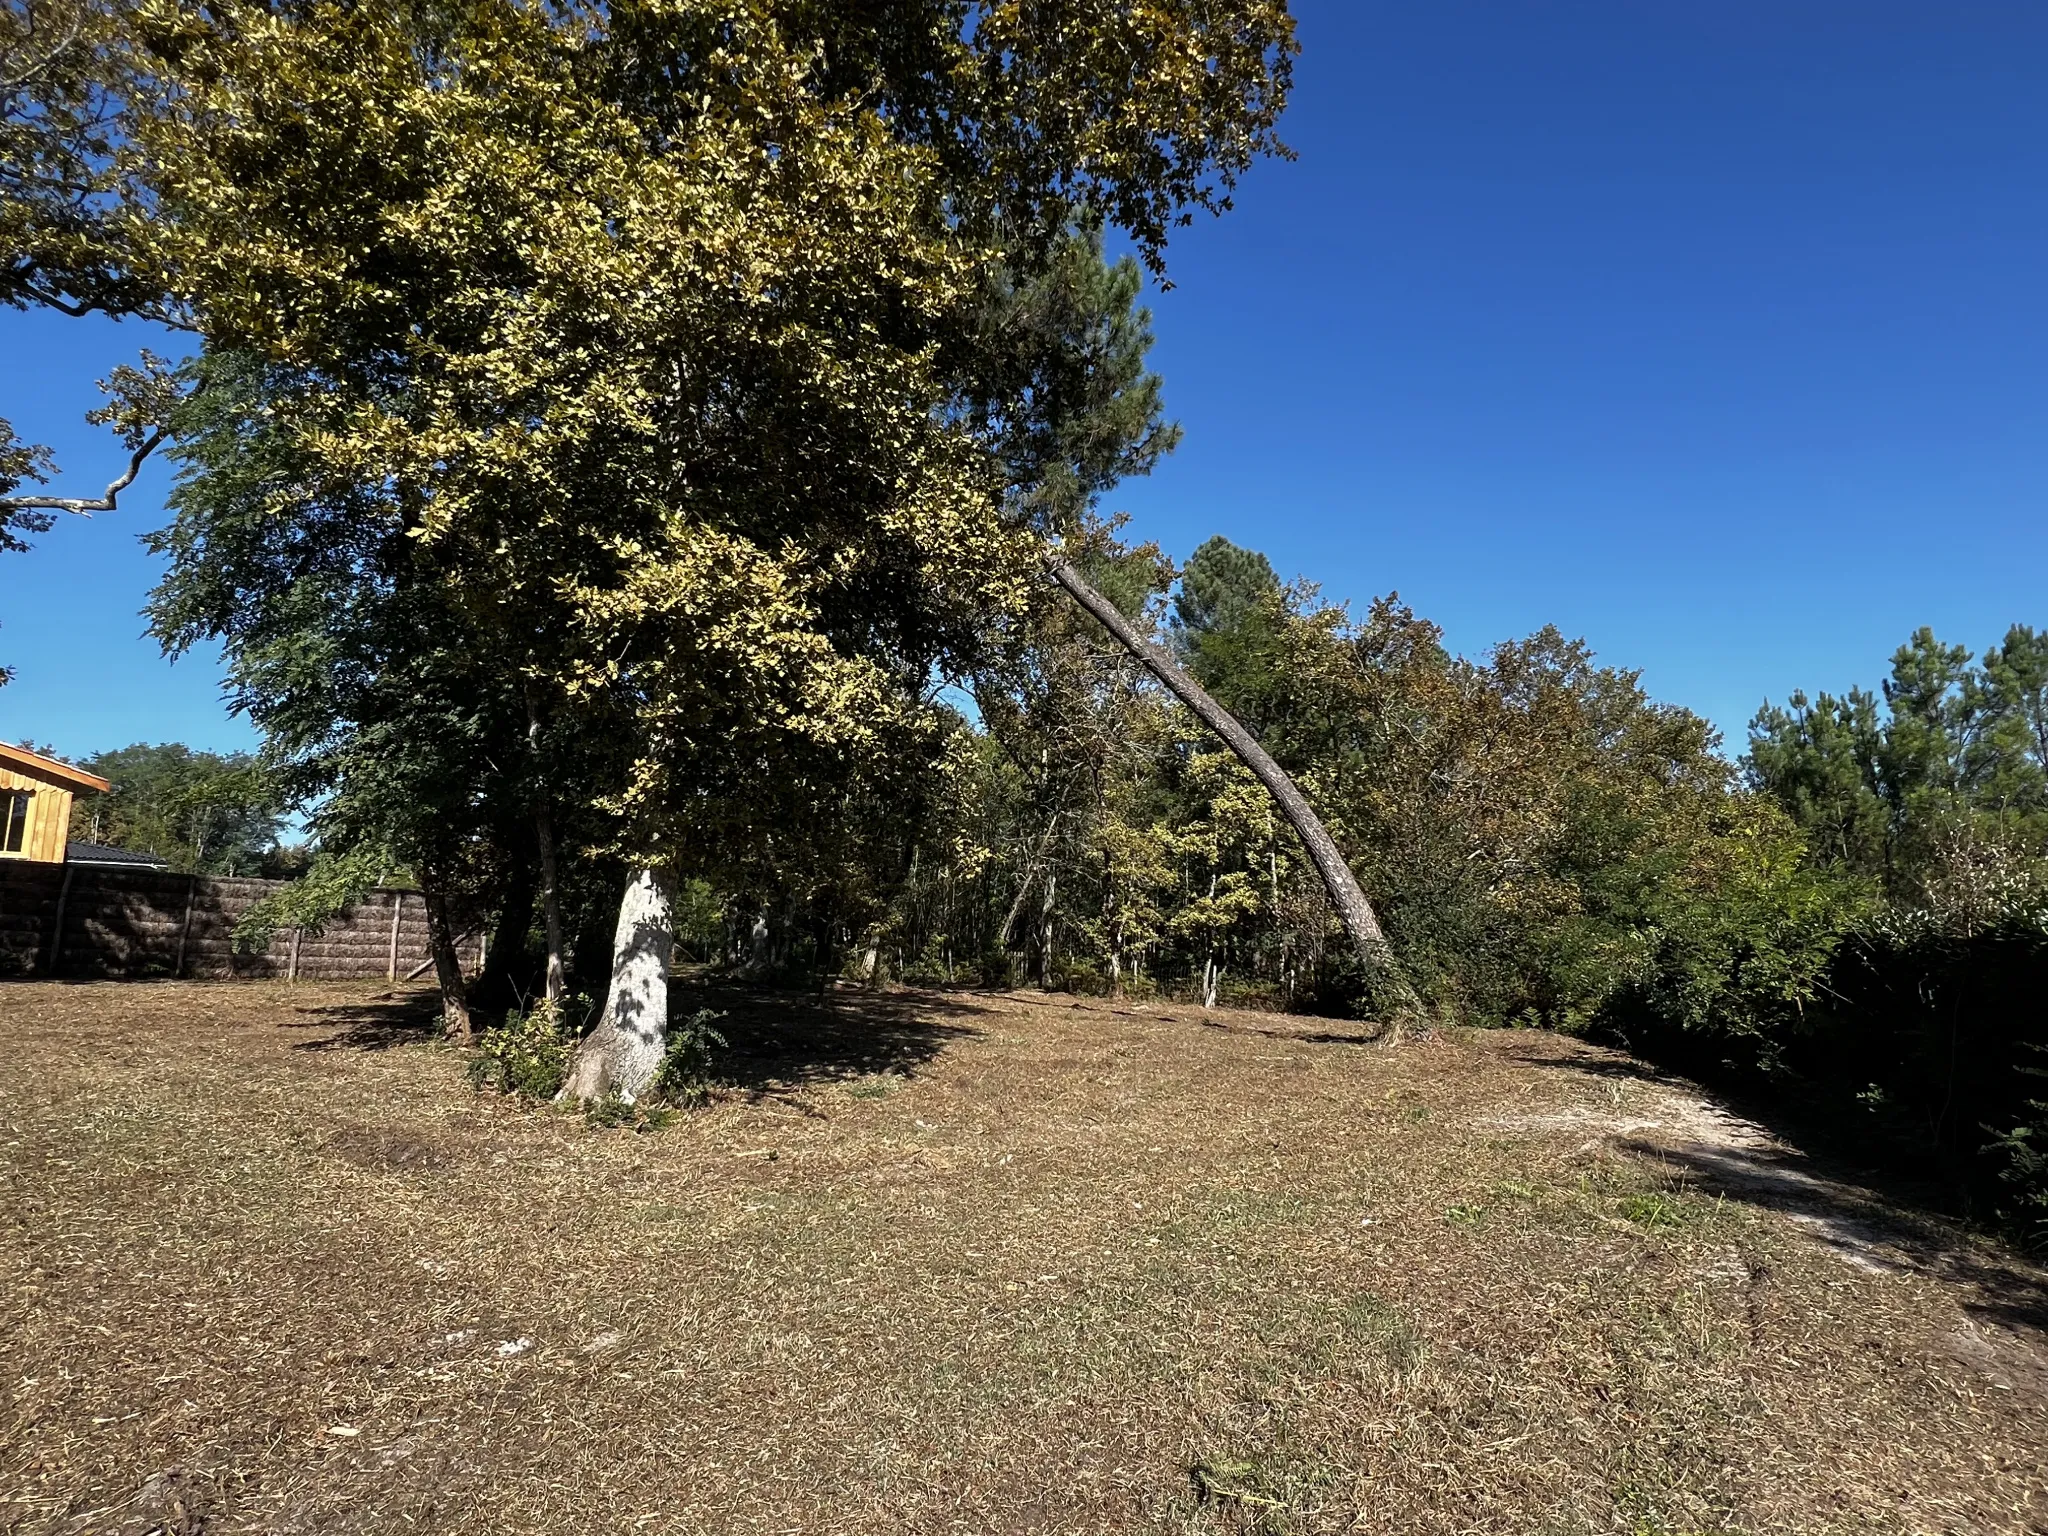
(49, 816)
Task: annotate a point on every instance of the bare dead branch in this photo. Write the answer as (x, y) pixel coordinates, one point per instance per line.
(86, 505)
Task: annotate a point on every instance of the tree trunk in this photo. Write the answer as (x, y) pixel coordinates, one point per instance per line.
(1045, 924)
(455, 1023)
(497, 984)
(624, 1052)
(551, 906)
(557, 982)
(1209, 951)
(1016, 911)
(1353, 910)
(1113, 923)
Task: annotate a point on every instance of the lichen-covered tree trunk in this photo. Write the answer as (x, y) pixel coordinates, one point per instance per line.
(622, 1055)
(1353, 910)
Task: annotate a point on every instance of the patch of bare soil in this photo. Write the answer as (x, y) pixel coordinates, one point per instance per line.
(960, 1262)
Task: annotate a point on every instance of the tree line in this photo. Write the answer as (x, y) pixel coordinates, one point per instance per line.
(202, 813)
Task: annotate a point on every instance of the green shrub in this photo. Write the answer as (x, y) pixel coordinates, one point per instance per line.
(687, 1073)
(1652, 1211)
(529, 1053)
(2024, 1153)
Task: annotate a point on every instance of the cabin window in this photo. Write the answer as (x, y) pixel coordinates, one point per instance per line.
(13, 819)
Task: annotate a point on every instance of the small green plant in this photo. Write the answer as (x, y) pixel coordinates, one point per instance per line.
(1263, 1489)
(528, 1054)
(687, 1072)
(880, 1086)
(1653, 1211)
(612, 1113)
(1465, 1215)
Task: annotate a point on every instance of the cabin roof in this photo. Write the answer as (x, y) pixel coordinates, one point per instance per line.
(99, 853)
(22, 760)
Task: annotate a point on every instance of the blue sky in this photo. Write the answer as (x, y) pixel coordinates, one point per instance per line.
(1715, 334)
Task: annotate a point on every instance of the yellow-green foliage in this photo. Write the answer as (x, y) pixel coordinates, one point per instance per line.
(632, 354)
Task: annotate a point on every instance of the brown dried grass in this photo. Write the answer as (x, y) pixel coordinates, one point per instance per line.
(953, 1263)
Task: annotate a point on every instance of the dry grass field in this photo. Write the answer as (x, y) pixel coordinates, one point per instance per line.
(962, 1263)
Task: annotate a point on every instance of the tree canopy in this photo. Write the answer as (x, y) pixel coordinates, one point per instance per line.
(208, 813)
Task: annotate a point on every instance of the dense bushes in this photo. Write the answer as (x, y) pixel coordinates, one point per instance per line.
(1931, 799)
(1935, 1028)
(1928, 1038)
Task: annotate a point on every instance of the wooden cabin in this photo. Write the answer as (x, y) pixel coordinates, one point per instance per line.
(35, 803)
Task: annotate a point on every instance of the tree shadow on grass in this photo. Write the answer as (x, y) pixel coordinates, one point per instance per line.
(1298, 1028)
(1865, 1225)
(375, 1024)
(1572, 1054)
(1832, 1143)
(780, 1043)
(1366, 1034)
(1862, 1202)
(777, 1042)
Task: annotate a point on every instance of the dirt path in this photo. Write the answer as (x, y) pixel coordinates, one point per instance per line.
(963, 1263)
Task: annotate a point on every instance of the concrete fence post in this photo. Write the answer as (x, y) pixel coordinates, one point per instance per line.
(185, 930)
(397, 914)
(57, 921)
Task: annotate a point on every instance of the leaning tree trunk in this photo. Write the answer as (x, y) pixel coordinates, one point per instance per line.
(1360, 923)
(624, 1052)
